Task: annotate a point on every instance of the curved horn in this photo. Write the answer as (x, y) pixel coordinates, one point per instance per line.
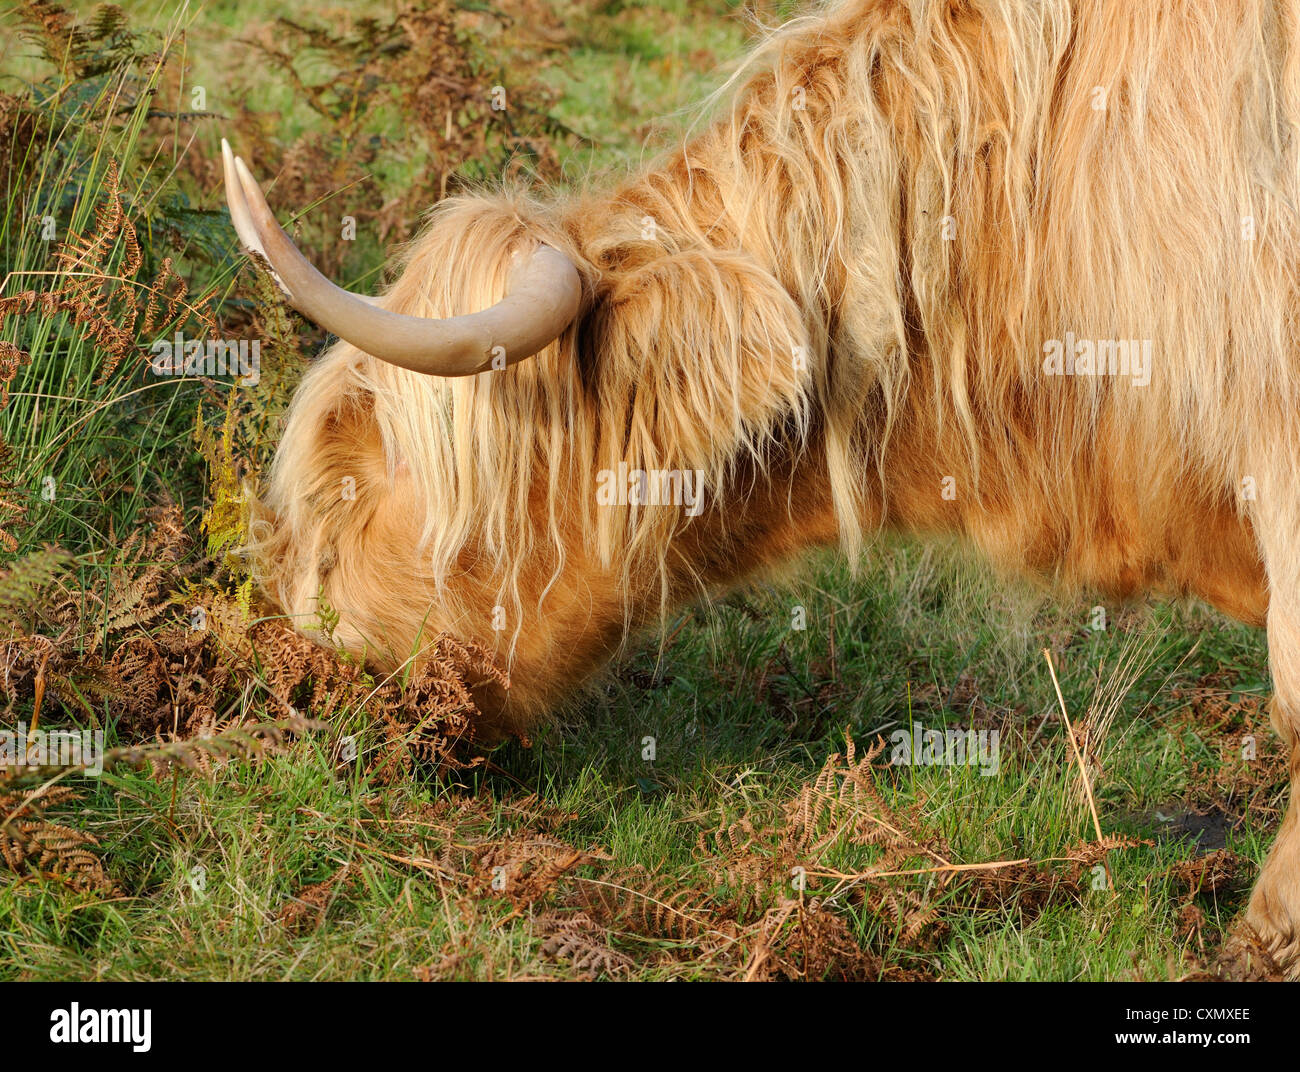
(542, 299)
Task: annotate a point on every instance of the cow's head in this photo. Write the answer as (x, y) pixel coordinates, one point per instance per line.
(557, 423)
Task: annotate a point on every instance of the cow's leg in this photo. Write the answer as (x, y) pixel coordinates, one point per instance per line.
(1274, 911)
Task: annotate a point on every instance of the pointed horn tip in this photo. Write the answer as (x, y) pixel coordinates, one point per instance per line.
(239, 182)
(245, 173)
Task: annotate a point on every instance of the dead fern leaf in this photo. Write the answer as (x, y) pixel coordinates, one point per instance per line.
(574, 938)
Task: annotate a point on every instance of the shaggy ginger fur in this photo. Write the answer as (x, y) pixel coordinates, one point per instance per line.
(834, 302)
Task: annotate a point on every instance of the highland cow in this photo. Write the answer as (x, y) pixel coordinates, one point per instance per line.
(1022, 271)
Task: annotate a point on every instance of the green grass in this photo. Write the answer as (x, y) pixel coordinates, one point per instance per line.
(742, 708)
(263, 831)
